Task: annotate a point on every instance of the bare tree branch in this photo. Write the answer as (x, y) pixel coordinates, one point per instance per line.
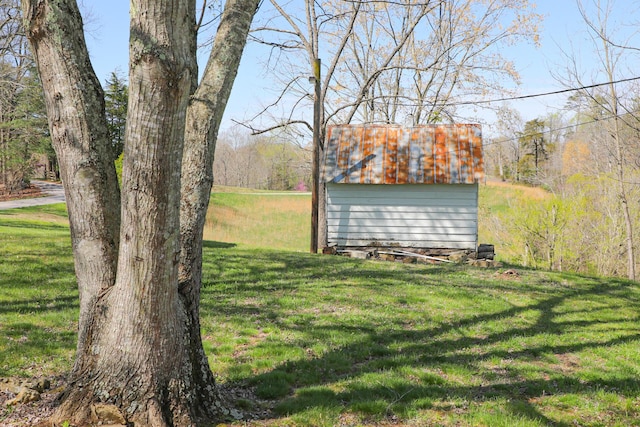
(255, 131)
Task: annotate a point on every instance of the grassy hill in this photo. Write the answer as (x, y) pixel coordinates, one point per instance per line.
(496, 202)
(324, 340)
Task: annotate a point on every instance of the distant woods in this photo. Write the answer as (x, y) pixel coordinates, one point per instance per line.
(262, 162)
(588, 160)
(25, 144)
(588, 157)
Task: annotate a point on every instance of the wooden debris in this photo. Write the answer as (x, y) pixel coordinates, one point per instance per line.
(356, 254)
(413, 254)
(483, 257)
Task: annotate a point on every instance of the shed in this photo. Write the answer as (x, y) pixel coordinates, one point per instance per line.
(409, 187)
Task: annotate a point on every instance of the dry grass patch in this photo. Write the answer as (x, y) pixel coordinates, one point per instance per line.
(275, 220)
(535, 193)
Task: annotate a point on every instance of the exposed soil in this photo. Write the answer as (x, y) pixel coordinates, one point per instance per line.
(26, 193)
(509, 274)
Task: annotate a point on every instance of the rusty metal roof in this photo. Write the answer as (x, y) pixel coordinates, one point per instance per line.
(390, 154)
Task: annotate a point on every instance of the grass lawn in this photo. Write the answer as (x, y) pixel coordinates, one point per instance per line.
(326, 340)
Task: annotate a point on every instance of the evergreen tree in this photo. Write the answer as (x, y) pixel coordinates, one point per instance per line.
(25, 133)
(115, 98)
(534, 143)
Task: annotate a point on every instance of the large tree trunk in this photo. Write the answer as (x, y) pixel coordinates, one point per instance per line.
(143, 340)
(133, 358)
(75, 107)
(140, 358)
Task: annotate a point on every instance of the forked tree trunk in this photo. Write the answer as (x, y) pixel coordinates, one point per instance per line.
(140, 357)
(141, 365)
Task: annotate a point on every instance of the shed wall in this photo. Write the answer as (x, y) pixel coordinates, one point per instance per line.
(403, 215)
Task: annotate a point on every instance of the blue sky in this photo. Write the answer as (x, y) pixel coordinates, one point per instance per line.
(108, 26)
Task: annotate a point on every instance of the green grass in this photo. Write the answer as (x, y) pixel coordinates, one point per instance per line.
(373, 342)
(496, 201)
(38, 295)
(331, 340)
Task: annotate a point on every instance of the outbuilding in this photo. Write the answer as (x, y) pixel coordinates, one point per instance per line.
(403, 187)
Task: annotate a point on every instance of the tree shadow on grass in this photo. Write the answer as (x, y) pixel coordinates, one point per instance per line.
(23, 336)
(518, 354)
(211, 244)
(255, 269)
(35, 306)
(38, 307)
(31, 225)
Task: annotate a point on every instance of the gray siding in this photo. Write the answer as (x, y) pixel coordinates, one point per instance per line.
(409, 215)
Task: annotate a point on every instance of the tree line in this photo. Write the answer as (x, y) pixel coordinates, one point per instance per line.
(26, 151)
(24, 134)
(277, 162)
(591, 170)
(587, 157)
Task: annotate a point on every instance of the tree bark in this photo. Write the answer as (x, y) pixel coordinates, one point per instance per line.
(204, 114)
(75, 109)
(619, 159)
(140, 358)
(136, 359)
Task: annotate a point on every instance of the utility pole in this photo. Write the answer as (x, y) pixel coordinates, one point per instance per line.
(315, 170)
